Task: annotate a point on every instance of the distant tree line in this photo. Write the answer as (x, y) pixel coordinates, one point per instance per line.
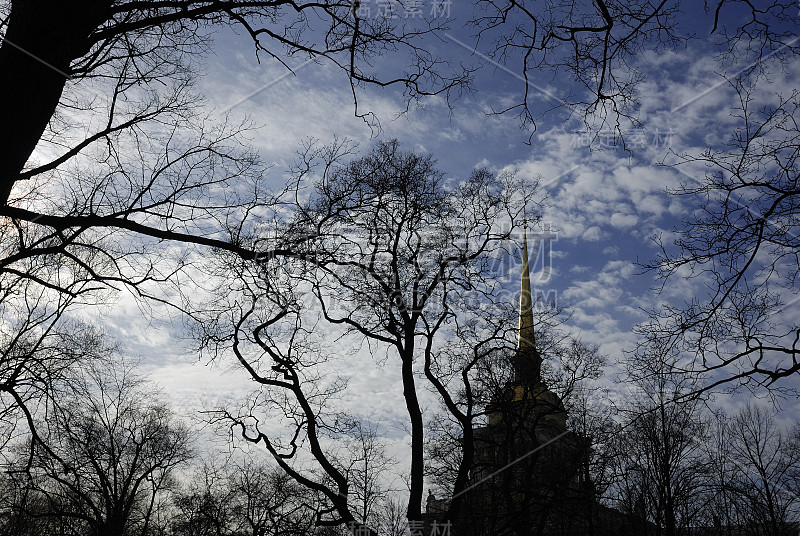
(114, 459)
(680, 467)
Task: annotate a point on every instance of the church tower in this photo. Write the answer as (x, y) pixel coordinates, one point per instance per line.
(525, 460)
(527, 477)
(527, 361)
(525, 396)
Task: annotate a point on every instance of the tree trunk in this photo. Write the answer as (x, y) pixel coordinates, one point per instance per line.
(417, 432)
(42, 38)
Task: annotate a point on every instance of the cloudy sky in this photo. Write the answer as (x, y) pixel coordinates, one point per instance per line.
(604, 203)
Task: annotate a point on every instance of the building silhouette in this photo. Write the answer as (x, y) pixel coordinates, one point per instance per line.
(530, 473)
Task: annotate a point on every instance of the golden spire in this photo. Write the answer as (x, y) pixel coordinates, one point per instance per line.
(527, 361)
(525, 340)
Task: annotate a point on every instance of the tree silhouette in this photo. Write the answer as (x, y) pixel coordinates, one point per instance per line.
(742, 245)
(756, 468)
(109, 453)
(394, 255)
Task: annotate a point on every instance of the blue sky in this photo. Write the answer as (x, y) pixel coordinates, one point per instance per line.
(605, 203)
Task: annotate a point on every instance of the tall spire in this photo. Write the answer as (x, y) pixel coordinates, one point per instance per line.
(527, 362)
(525, 334)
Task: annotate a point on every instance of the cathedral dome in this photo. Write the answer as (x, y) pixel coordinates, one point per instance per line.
(517, 392)
(529, 402)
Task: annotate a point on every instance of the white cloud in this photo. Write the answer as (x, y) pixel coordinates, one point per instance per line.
(623, 221)
(622, 269)
(592, 234)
